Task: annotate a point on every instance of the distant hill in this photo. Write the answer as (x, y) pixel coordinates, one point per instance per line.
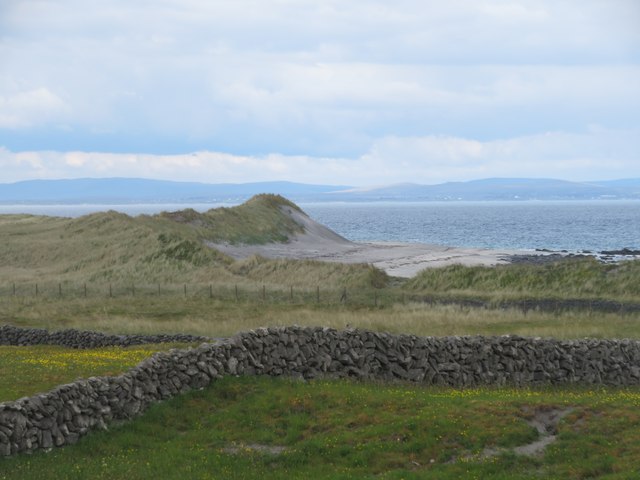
(504, 189)
(137, 190)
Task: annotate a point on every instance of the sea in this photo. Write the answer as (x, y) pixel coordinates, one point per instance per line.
(573, 226)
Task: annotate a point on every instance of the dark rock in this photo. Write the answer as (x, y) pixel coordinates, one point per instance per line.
(624, 251)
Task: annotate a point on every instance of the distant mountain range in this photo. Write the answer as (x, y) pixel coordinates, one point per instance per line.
(507, 189)
(137, 190)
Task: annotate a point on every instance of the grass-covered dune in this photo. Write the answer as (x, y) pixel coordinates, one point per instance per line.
(175, 248)
(259, 220)
(570, 278)
(166, 248)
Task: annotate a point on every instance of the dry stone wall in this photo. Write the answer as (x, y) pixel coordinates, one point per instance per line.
(61, 416)
(10, 335)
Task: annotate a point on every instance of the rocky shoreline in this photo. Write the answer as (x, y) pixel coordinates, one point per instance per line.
(543, 256)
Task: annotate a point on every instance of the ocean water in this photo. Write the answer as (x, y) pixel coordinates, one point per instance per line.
(77, 210)
(555, 225)
(569, 225)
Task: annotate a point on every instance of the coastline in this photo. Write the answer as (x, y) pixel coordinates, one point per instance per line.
(396, 259)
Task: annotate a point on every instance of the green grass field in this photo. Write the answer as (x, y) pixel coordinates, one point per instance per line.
(255, 427)
(26, 371)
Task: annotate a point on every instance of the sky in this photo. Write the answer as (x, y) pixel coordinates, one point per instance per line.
(362, 92)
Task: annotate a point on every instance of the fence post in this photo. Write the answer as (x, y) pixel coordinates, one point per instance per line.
(291, 294)
(318, 294)
(185, 290)
(85, 290)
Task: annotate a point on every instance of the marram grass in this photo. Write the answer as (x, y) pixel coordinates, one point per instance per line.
(571, 278)
(169, 248)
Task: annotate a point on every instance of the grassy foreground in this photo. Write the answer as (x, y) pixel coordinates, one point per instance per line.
(277, 428)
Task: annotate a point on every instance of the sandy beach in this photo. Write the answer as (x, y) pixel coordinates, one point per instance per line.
(397, 259)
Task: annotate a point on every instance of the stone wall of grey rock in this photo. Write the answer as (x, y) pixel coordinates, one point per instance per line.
(61, 416)
(11, 335)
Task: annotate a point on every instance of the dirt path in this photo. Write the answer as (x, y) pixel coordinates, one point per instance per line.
(545, 420)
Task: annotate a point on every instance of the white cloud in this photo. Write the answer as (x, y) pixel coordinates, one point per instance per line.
(344, 85)
(74, 159)
(596, 154)
(30, 108)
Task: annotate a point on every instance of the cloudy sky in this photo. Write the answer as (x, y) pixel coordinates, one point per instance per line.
(359, 92)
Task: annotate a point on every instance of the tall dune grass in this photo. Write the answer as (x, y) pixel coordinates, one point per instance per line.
(572, 278)
(111, 247)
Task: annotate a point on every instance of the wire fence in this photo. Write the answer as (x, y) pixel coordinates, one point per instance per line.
(318, 295)
(258, 293)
